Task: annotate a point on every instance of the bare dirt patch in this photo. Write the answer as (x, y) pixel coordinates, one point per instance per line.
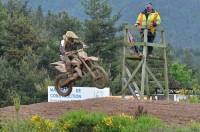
(169, 112)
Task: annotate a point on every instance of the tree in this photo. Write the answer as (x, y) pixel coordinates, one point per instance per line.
(18, 7)
(21, 65)
(8, 76)
(21, 36)
(39, 16)
(100, 30)
(100, 34)
(181, 73)
(187, 58)
(3, 31)
(58, 24)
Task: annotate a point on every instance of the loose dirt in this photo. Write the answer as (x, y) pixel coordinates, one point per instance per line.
(169, 112)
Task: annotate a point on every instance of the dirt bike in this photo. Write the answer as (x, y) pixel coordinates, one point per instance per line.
(64, 83)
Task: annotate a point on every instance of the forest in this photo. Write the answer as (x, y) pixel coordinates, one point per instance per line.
(30, 38)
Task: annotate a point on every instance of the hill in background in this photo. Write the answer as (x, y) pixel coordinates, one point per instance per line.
(180, 18)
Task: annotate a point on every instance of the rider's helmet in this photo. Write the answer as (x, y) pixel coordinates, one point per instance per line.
(70, 36)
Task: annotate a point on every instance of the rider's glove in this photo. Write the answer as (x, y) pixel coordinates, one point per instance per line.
(154, 24)
(137, 24)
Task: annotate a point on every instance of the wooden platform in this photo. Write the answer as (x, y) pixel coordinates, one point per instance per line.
(136, 57)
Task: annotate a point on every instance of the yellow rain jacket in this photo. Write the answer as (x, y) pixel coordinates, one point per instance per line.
(143, 22)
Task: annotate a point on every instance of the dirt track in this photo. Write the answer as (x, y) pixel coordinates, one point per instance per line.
(169, 112)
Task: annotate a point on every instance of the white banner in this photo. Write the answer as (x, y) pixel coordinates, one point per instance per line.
(78, 93)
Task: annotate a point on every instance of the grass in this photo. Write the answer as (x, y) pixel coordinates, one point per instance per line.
(82, 121)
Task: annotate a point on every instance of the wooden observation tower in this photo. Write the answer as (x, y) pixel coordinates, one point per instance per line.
(144, 75)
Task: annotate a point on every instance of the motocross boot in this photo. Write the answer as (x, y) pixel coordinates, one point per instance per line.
(77, 75)
(79, 72)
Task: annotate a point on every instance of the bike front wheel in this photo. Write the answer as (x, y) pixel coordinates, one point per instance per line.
(101, 77)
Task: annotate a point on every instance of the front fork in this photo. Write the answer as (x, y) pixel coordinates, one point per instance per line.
(89, 69)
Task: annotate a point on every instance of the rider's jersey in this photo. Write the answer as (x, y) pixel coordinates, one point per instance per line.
(66, 46)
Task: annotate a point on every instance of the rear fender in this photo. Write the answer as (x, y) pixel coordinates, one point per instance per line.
(93, 58)
(60, 66)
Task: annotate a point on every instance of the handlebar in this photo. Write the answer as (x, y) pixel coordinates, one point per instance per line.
(73, 52)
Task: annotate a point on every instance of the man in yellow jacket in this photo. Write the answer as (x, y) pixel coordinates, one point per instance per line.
(149, 18)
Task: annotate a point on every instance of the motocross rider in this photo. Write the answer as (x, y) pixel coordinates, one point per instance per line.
(69, 44)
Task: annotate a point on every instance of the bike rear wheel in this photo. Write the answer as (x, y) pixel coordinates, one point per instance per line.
(62, 86)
